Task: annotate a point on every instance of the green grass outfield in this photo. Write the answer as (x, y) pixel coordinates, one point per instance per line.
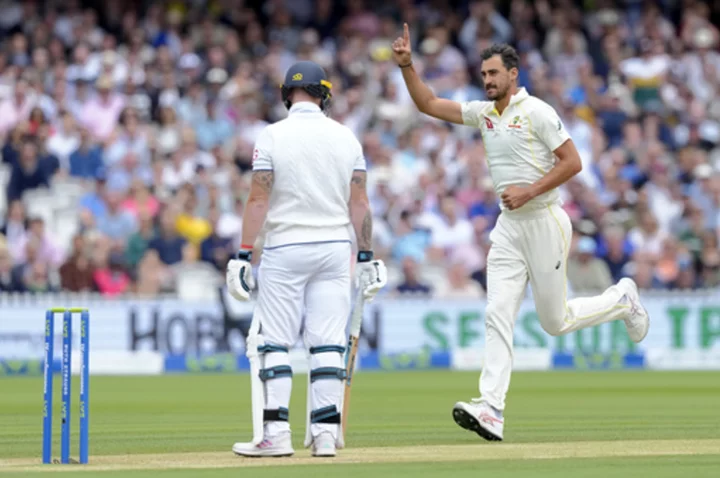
(557, 424)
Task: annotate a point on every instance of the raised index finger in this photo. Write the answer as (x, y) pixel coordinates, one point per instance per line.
(406, 33)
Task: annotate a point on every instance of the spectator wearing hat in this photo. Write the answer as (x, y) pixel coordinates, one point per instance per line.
(100, 114)
(587, 274)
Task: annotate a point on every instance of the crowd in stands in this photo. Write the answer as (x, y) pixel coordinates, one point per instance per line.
(127, 134)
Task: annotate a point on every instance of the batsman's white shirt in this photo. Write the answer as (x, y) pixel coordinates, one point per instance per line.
(530, 244)
(313, 158)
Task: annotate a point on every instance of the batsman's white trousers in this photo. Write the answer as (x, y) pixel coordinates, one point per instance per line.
(315, 278)
(533, 246)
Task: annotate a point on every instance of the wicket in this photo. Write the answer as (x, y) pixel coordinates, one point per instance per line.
(66, 383)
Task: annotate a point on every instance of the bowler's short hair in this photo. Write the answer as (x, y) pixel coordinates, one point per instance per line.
(507, 54)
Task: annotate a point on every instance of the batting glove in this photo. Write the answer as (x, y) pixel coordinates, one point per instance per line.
(371, 275)
(239, 277)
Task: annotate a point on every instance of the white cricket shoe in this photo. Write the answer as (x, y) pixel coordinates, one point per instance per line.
(279, 445)
(638, 322)
(323, 445)
(479, 417)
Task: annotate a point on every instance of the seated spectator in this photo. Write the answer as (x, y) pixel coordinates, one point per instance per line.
(117, 224)
(168, 243)
(411, 281)
(140, 201)
(7, 280)
(617, 251)
(101, 113)
(111, 278)
(214, 130)
(168, 134)
(86, 161)
(448, 229)
(411, 241)
(28, 173)
(77, 274)
(14, 227)
(153, 277)
(138, 243)
(65, 140)
(587, 274)
(459, 284)
(189, 225)
(36, 278)
(127, 139)
(48, 250)
(216, 250)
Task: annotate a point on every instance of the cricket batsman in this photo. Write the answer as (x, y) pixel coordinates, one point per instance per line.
(308, 187)
(529, 155)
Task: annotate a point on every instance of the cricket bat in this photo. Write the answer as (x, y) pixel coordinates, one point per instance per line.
(351, 354)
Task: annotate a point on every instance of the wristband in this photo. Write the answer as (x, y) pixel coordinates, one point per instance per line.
(406, 66)
(365, 256)
(244, 255)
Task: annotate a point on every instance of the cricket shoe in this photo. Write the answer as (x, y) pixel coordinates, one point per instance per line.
(479, 417)
(638, 321)
(279, 445)
(323, 445)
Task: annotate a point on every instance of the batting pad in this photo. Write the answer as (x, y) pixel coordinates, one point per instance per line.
(276, 376)
(325, 390)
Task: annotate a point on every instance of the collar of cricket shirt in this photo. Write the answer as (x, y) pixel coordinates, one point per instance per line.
(519, 96)
(304, 107)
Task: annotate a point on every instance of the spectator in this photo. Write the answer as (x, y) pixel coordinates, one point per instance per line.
(116, 224)
(168, 243)
(15, 224)
(100, 115)
(216, 250)
(110, 277)
(587, 274)
(76, 274)
(47, 251)
(17, 107)
(459, 284)
(65, 140)
(411, 283)
(189, 225)
(141, 201)
(86, 161)
(28, 173)
(153, 276)
(139, 242)
(7, 280)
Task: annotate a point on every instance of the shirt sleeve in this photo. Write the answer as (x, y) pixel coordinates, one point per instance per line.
(262, 153)
(472, 113)
(549, 128)
(359, 164)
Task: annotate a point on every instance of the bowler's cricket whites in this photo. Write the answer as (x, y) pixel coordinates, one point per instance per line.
(529, 155)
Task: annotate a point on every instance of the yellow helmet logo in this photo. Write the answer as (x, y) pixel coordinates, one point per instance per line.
(297, 77)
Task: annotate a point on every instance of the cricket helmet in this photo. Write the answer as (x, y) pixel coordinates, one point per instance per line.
(310, 77)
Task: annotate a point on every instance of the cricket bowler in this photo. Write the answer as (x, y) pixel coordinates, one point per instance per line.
(529, 155)
(308, 187)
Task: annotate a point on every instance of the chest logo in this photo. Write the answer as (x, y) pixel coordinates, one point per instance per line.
(515, 123)
(488, 123)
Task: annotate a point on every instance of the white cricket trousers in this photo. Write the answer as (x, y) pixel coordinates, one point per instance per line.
(533, 246)
(314, 278)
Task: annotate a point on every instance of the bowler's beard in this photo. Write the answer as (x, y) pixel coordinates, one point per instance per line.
(499, 93)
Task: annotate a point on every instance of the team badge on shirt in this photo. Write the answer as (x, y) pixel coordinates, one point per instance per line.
(515, 123)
